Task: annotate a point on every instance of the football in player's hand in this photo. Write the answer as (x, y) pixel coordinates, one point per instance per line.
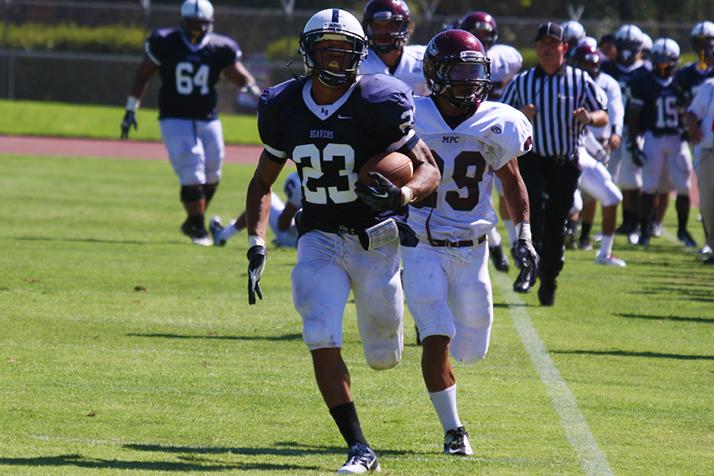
(394, 166)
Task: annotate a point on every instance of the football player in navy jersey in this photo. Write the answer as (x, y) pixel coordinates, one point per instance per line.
(665, 156)
(330, 122)
(695, 73)
(190, 61)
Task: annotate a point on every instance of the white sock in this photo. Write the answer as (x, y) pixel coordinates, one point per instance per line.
(228, 231)
(511, 229)
(606, 245)
(494, 239)
(445, 405)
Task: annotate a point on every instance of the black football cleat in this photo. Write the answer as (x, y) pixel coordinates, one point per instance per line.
(546, 291)
(456, 442)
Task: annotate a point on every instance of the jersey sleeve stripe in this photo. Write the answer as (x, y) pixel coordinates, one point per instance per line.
(150, 55)
(398, 144)
(278, 154)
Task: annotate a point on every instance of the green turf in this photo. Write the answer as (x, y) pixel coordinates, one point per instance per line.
(123, 347)
(102, 122)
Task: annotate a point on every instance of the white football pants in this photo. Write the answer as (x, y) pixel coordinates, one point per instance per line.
(195, 149)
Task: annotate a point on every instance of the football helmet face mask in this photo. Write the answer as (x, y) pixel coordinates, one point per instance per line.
(665, 56)
(196, 19)
(456, 68)
(588, 57)
(628, 41)
(332, 46)
(482, 25)
(386, 23)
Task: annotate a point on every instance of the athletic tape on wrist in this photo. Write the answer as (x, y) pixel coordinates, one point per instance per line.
(255, 240)
(523, 231)
(407, 195)
(132, 103)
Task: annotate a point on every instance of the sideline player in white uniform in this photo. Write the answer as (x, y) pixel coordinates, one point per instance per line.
(386, 23)
(282, 217)
(595, 180)
(446, 276)
(190, 61)
(506, 61)
(330, 123)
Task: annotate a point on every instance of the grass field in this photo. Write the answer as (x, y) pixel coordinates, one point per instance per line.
(102, 122)
(124, 348)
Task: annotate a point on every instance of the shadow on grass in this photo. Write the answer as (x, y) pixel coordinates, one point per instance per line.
(100, 241)
(280, 448)
(698, 320)
(279, 338)
(505, 305)
(97, 463)
(629, 353)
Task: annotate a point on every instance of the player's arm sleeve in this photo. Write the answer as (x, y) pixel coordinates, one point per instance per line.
(702, 100)
(153, 48)
(269, 128)
(515, 140)
(394, 122)
(615, 108)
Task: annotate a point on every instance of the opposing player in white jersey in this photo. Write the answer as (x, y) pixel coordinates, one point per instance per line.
(595, 180)
(281, 221)
(506, 61)
(386, 23)
(446, 276)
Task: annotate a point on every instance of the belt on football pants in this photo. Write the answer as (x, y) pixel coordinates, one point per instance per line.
(447, 243)
(455, 244)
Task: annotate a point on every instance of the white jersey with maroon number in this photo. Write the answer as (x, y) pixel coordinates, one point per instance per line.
(467, 156)
(410, 68)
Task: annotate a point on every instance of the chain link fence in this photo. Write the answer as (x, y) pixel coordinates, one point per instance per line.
(76, 76)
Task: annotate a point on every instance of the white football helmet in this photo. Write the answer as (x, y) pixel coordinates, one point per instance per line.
(333, 24)
(628, 41)
(573, 32)
(701, 36)
(196, 19)
(665, 56)
(646, 42)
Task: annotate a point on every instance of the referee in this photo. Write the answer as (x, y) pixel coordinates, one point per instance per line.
(560, 101)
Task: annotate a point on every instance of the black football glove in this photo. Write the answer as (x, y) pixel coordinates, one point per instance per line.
(382, 195)
(528, 261)
(256, 265)
(126, 123)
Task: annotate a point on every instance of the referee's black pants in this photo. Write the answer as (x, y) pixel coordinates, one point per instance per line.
(551, 184)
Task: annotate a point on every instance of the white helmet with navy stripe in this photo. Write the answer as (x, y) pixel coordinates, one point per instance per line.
(628, 40)
(573, 32)
(702, 37)
(665, 56)
(196, 19)
(333, 24)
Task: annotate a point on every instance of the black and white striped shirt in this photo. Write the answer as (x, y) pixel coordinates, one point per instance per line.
(556, 132)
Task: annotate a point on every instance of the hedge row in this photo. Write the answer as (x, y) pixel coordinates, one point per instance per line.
(73, 37)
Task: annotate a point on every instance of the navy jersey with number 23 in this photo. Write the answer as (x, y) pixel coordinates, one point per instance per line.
(329, 144)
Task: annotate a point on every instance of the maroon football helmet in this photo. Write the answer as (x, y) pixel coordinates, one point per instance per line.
(482, 25)
(588, 57)
(457, 58)
(395, 13)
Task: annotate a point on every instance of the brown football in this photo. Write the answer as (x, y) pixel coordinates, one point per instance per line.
(395, 166)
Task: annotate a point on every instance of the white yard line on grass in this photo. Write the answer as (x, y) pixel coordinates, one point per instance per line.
(592, 460)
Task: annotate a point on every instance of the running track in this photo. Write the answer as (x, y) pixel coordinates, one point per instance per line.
(130, 149)
(117, 149)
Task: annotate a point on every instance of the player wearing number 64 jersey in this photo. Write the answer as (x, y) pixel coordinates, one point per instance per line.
(446, 277)
(190, 61)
